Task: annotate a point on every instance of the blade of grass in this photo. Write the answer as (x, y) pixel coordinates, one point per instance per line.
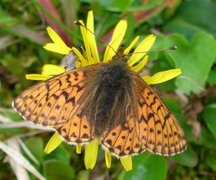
(20, 125)
(4, 119)
(27, 151)
(48, 5)
(20, 159)
(24, 32)
(69, 12)
(6, 41)
(57, 21)
(18, 170)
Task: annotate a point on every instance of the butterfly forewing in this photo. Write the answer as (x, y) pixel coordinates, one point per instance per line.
(55, 103)
(157, 128)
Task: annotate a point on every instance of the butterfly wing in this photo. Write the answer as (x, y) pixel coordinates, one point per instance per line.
(123, 140)
(157, 128)
(154, 129)
(55, 103)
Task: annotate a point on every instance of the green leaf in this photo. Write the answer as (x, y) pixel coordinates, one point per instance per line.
(129, 36)
(212, 77)
(123, 6)
(11, 64)
(173, 105)
(162, 65)
(146, 166)
(206, 139)
(83, 175)
(60, 154)
(211, 161)
(5, 18)
(35, 145)
(127, 5)
(187, 158)
(194, 16)
(194, 58)
(55, 170)
(209, 115)
(107, 22)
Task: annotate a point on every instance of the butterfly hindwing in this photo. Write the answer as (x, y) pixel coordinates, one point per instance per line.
(122, 140)
(77, 130)
(157, 127)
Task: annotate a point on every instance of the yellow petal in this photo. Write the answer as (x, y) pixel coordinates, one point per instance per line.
(91, 151)
(162, 76)
(126, 162)
(142, 49)
(53, 143)
(57, 48)
(78, 148)
(37, 77)
(108, 159)
(84, 33)
(55, 37)
(91, 37)
(140, 65)
(132, 44)
(50, 69)
(83, 61)
(117, 37)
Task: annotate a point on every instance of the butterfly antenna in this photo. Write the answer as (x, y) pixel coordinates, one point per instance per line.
(171, 48)
(107, 44)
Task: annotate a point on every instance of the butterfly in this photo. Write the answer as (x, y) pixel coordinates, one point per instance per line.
(107, 101)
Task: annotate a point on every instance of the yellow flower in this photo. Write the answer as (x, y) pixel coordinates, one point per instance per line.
(90, 55)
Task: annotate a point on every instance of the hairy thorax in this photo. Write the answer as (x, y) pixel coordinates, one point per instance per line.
(112, 99)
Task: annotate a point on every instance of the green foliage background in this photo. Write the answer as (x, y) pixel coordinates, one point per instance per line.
(188, 24)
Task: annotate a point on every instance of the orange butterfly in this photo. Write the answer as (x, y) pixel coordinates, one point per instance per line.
(107, 101)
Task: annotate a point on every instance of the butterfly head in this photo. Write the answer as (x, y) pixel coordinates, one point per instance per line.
(116, 72)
